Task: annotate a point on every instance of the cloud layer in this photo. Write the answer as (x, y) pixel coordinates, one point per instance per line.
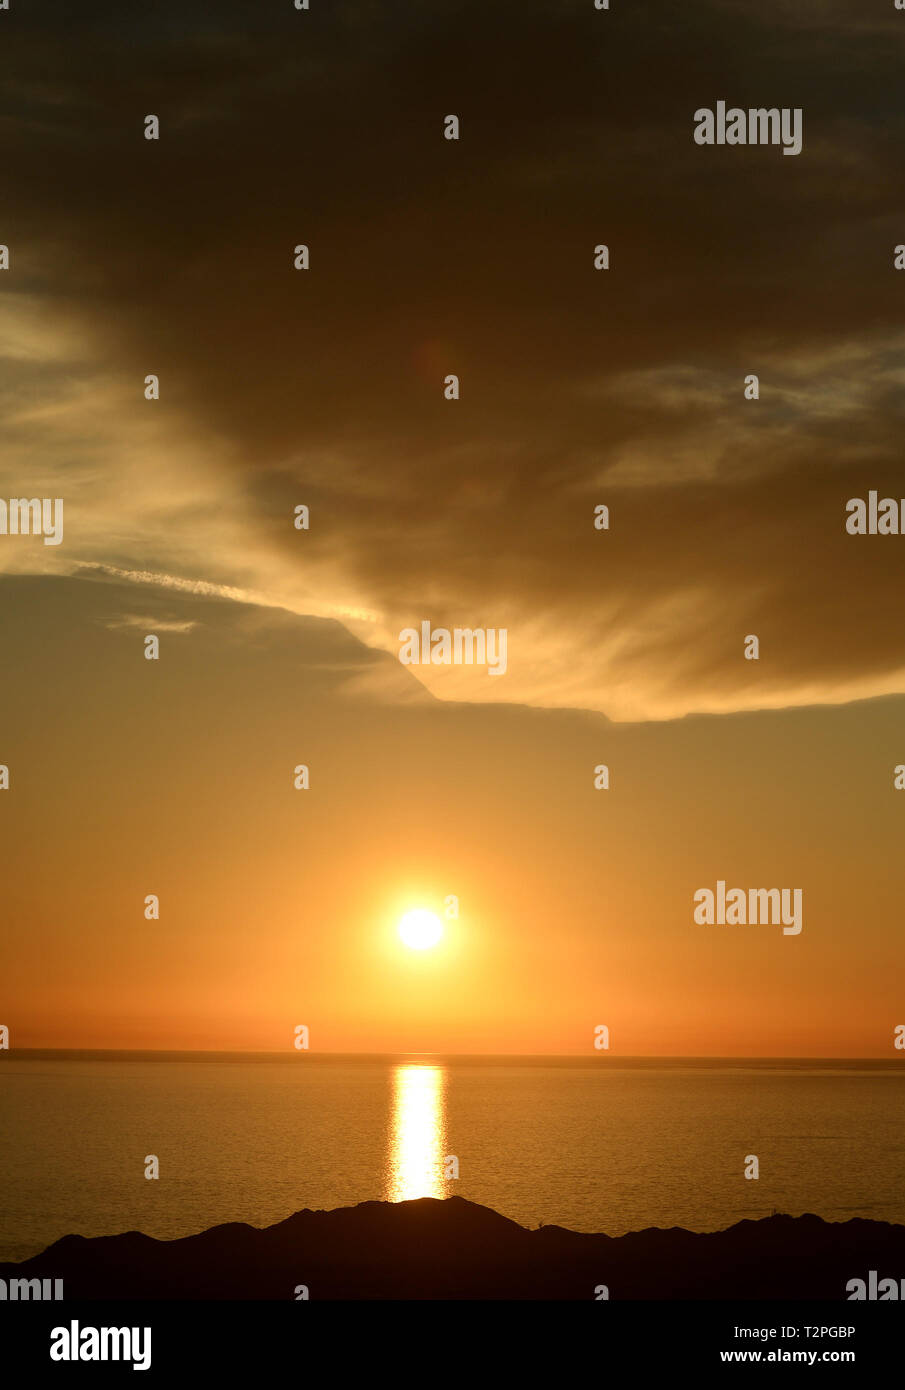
(428, 257)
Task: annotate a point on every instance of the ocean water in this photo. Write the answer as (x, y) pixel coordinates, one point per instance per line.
(596, 1144)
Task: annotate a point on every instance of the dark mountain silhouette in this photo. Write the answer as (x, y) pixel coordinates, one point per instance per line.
(454, 1249)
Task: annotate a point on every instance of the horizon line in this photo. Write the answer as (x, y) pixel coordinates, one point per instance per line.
(400, 1052)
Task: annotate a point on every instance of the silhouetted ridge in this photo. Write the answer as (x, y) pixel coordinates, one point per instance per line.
(430, 1249)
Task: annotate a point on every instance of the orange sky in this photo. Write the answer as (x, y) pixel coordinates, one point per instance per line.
(280, 907)
(324, 388)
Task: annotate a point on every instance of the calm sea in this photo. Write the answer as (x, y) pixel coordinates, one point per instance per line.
(597, 1144)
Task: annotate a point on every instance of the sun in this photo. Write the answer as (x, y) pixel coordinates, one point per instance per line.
(420, 929)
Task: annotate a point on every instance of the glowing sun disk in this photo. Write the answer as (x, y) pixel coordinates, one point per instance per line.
(420, 929)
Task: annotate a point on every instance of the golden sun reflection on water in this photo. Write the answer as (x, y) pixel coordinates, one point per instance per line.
(418, 1133)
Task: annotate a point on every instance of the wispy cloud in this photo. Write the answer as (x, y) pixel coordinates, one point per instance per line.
(578, 387)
